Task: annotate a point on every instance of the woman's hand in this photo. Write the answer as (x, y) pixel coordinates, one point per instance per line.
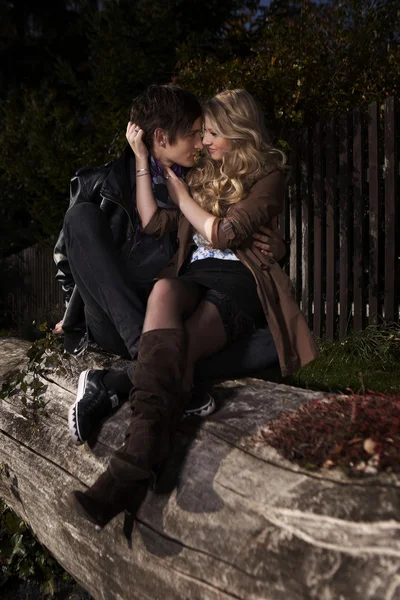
(177, 188)
(134, 135)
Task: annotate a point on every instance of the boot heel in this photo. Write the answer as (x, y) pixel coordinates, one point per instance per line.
(106, 499)
(90, 509)
(156, 475)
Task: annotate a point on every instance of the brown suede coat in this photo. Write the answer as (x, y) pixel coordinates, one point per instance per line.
(294, 342)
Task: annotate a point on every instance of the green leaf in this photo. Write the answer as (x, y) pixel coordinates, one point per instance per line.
(17, 546)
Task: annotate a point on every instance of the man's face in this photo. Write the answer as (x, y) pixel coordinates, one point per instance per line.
(183, 152)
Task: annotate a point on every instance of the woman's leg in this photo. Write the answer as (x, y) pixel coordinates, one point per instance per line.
(206, 336)
(175, 335)
(170, 303)
(176, 304)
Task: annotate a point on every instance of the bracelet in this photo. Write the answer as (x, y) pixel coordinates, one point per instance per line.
(141, 174)
(139, 170)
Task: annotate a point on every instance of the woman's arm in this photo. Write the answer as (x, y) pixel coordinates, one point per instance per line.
(259, 207)
(178, 191)
(263, 202)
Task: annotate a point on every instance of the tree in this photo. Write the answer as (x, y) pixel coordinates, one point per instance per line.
(307, 60)
(70, 106)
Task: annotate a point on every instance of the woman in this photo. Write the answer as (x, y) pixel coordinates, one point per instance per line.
(214, 290)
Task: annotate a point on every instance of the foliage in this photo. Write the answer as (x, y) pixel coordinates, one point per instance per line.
(43, 356)
(22, 556)
(69, 71)
(79, 67)
(307, 59)
(368, 359)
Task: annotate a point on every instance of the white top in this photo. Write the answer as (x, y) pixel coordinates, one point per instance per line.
(204, 250)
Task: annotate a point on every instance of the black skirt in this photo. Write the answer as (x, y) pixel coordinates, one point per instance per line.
(230, 278)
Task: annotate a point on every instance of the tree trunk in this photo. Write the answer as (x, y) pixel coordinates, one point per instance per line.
(233, 519)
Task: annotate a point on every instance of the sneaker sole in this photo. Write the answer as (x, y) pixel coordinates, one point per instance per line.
(204, 411)
(73, 410)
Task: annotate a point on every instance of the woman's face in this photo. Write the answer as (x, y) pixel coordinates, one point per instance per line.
(217, 145)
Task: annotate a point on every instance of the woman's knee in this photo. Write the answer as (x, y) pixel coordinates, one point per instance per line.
(164, 290)
(173, 297)
(206, 330)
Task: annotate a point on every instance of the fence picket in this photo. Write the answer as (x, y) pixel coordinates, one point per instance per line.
(319, 212)
(330, 187)
(345, 226)
(359, 219)
(374, 214)
(306, 225)
(391, 212)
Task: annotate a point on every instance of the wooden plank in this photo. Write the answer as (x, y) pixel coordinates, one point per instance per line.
(359, 219)
(331, 230)
(295, 228)
(391, 212)
(345, 227)
(374, 215)
(319, 222)
(306, 225)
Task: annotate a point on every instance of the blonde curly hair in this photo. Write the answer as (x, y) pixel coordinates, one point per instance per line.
(236, 116)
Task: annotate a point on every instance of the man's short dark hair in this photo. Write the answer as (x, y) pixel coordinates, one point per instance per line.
(169, 107)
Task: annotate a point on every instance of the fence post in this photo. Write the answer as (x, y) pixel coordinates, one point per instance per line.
(330, 183)
(295, 227)
(318, 198)
(306, 227)
(359, 218)
(391, 212)
(345, 226)
(374, 214)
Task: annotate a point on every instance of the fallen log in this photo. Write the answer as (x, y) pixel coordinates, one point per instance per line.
(232, 518)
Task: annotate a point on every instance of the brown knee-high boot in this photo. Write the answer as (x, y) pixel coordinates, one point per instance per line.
(157, 401)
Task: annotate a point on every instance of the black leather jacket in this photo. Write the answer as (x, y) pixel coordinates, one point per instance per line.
(112, 187)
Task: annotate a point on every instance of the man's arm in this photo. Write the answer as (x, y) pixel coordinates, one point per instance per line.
(145, 201)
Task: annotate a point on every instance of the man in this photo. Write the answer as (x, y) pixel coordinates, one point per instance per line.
(106, 265)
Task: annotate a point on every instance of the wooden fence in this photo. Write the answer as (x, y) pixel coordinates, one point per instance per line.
(33, 293)
(341, 216)
(342, 219)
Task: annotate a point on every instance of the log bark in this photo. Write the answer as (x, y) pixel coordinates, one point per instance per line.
(233, 519)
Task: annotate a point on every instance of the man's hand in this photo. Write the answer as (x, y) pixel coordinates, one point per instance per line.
(134, 135)
(270, 242)
(58, 329)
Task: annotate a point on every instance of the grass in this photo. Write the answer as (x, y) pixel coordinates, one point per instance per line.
(364, 360)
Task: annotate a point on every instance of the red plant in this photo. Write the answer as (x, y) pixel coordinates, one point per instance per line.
(360, 433)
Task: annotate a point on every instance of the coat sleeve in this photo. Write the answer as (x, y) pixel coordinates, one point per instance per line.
(64, 274)
(264, 201)
(78, 192)
(163, 221)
